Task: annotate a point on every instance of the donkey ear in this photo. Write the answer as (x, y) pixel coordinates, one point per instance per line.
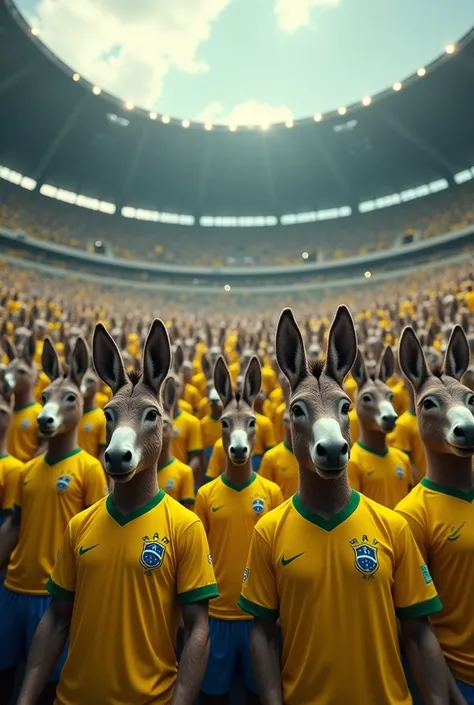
(252, 381)
(178, 359)
(107, 359)
(456, 359)
(223, 381)
(289, 348)
(359, 370)
(206, 367)
(412, 359)
(386, 365)
(156, 356)
(169, 394)
(29, 349)
(9, 348)
(50, 360)
(80, 361)
(342, 345)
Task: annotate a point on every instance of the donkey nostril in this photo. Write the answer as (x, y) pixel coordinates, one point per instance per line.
(321, 450)
(459, 432)
(127, 456)
(345, 449)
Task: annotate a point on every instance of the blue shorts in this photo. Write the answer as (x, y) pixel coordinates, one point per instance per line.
(467, 691)
(19, 617)
(229, 656)
(256, 461)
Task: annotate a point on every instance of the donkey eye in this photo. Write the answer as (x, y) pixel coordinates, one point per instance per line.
(152, 415)
(298, 411)
(108, 416)
(44, 399)
(225, 424)
(390, 397)
(367, 398)
(70, 398)
(252, 423)
(470, 400)
(345, 408)
(429, 404)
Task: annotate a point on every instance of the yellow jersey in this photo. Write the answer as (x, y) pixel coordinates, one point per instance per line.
(92, 435)
(51, 492)
(185, 406)
(350, 387)
(277, 397)
(151, 561)
(41, 383)
(354, 426)
(352, 575)
(234, 371)
(101, 399)
(229, 513)
(177, 480)
(264, 435)
(406, 437)
(401, 398)
(187, 438)
(217, 461)
(278, 424)
(211, 430)
(199, 381)
(204, 408)
(23, 438)
(269, 379)
(442, 522)
(383, 477)
(280, 466)
(10, 475)
(192, 396)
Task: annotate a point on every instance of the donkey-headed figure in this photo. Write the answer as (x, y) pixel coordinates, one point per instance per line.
(444, 407)
(134, 416)
(238, 417)
(374, 401)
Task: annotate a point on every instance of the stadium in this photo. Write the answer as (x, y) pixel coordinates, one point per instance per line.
(117, 213)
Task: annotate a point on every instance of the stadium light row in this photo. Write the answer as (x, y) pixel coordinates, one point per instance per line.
(218, 221)
(366, 101)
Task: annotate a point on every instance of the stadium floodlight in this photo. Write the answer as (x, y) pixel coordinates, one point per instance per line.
(367, 274)
(342, 110)
(289, 123)
(153, 115)
(96, 90)
(128, 105)
(304, 255)
(165, 118)
(185, 124)
(233, 128)
(366, 100)
(421, 72)
(397, 86)
(75, 77)
(227, 287)
(264, 125)
(450, 49)
(208, 126)
(318, 117)
(34, 31)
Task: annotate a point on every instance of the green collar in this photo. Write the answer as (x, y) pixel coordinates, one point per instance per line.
(54, 461)
(288, 447)
(370, 450)
(27, 406)
(412, 413)
(327, 524)
(238, 488)
(178, 413)
(465, 496)
(2, 457)
(123, 519)
(89, 411)
(165, 465)
(214, 418)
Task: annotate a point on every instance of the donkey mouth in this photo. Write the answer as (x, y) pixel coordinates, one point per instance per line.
(462, 450)
(121, 476)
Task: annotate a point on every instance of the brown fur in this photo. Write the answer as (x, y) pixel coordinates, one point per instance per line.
(373, 394)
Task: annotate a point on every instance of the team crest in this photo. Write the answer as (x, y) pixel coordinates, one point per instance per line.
(169, 485)
(209, 559)
(400, 472)
(63, 483)
(152, 556)
(175, 432)
(246, 574)
(25, 423)
(366, 559)
(258, 505)
(88, 427)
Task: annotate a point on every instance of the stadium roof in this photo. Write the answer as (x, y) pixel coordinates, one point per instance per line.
(57, 131)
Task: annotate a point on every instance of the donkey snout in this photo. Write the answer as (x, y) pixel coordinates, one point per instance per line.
(331, 454)
(463, 434)
(239, 454)
(388, 421)
(118, 461)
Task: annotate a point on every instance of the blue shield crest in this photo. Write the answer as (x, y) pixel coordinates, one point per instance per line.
(366, 559)
(169, 485)
(400, 472)
(258, 506)
(25, 423)
(152, 556)
(88, 427)
(63, 483)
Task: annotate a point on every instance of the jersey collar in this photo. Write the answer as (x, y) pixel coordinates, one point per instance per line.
(465, 496)
(327, 524)
(165, 465)
(238, 488)
(123, 519)
(381, 454)
(288, 447)
(54, 461)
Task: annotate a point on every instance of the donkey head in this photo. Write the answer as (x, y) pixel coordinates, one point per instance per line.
(20, 372)
(374, 403)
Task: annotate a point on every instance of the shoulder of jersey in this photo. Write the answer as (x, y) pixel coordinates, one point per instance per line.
(276, 450)
(269, 484)
(87, 459)
(399, 455)
(414, 498)
(206, 489)
(88, 514)
(34, 461)
(182, 466)
(389, 516)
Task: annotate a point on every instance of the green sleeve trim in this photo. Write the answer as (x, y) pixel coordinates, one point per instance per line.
(407, 452)
(208, 592)
(6, 512)
(256, 610)
(188, 500)
(196, 450)
(421, 609)
(102, 445)
(58, 591)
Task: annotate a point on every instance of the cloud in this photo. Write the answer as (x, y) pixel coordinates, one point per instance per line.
(128, 46)
(294, 14)
(250, 112)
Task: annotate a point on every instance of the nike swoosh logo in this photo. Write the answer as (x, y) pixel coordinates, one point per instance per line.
(371, 472)
(287, 561)
(456, 535)
(25, 483)
(83, 550)
(216, 509)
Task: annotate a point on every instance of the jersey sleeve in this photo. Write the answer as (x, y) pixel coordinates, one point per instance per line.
(353, 472)
(187, 487)
(214, 467)
(266, 468)
(277, 496)
(102, 432)
(416, 524)
(196, 580)
(12, 480)
(194, 440)
(62, 582)
(414, 594)
(200, 507)
(269, 436)
(259, 596)
(402, 439)
(95, 484)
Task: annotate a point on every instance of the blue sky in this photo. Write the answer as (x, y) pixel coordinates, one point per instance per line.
(246, 60)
